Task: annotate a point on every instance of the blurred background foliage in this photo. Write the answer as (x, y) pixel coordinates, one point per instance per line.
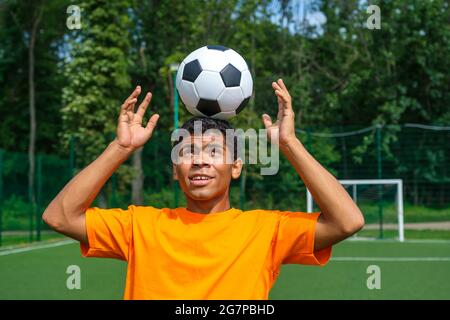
(342, 77)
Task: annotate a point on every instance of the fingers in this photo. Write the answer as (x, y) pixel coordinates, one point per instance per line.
(281, 101)
(152, 122)
(281, 84)
(266, 120)
(282, 93)
(144, 104)
(134, 94)
(276, 86)
(125, 109)
(126, 105)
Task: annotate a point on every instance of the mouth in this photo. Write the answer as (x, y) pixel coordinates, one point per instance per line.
(199, 180)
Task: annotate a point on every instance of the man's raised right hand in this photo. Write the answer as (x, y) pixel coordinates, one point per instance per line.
(131, 135)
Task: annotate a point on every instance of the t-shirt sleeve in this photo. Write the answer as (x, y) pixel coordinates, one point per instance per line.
(294, 239)
(109, 233)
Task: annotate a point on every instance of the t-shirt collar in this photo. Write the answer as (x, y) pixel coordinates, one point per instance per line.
(196, 216)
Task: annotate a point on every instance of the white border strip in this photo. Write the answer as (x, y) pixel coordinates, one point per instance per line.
(37, 247)
(391, 259)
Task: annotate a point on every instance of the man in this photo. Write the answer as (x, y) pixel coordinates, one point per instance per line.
(207, 250)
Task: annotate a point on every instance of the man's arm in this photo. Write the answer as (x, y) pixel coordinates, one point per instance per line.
(66, 212)
(340, 216)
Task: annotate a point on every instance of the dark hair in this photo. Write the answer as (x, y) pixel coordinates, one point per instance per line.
(210, 123)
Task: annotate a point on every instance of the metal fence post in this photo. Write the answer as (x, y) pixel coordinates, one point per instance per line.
(32, 210)
(1, 195)
(175, 126)
(379, 174)
(39, 197)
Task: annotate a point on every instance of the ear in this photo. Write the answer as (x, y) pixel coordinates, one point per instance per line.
(174, 172)
(236, 168)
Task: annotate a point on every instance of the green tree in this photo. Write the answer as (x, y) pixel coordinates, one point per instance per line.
(97, 75)
(29, 35)
(398, 74)
(15, 24)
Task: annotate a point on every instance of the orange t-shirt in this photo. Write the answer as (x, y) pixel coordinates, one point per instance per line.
(179, 254)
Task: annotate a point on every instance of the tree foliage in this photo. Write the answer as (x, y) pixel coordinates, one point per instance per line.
(339, 72)
(97, 77)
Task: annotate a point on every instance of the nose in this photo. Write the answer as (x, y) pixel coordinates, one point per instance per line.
(201, 159)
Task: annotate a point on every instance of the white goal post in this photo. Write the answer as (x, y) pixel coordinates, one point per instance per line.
(355, 183)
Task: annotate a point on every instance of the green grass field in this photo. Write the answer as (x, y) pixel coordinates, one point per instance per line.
(410, 270)
(24, 239)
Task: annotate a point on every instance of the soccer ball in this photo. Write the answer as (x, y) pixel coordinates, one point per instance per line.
(214, 81)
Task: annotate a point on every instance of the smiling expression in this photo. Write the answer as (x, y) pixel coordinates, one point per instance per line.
(203, 173)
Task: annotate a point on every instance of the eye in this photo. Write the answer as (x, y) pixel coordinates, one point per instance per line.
(187, 151)
(216, 151)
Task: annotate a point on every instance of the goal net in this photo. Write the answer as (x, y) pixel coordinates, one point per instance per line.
(380, 201)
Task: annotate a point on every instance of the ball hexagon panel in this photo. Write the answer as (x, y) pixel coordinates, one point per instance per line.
(195, 54)
(235, 59)
(224, 115)
(209, 85)
(230, 98)
(231, 76)
(180, 74)
(213, 60)
(246, 83)
(191, 70)
(208, 107)
(188, 93)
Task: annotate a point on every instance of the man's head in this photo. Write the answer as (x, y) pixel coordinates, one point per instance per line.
(207, 158)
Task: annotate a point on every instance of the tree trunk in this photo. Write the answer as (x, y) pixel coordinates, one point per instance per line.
(32, 107)
(137, 187)
(137, 183)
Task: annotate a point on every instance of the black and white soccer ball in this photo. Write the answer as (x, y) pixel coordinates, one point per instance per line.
(214, 81)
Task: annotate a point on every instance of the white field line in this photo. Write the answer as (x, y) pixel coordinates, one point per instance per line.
(37, 247)
(374, 240)
(391, 259)
(428, 241)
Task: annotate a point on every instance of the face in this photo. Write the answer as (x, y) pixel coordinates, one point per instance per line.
(203, 172)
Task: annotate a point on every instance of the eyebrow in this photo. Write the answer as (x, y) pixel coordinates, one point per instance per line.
(216, 145)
